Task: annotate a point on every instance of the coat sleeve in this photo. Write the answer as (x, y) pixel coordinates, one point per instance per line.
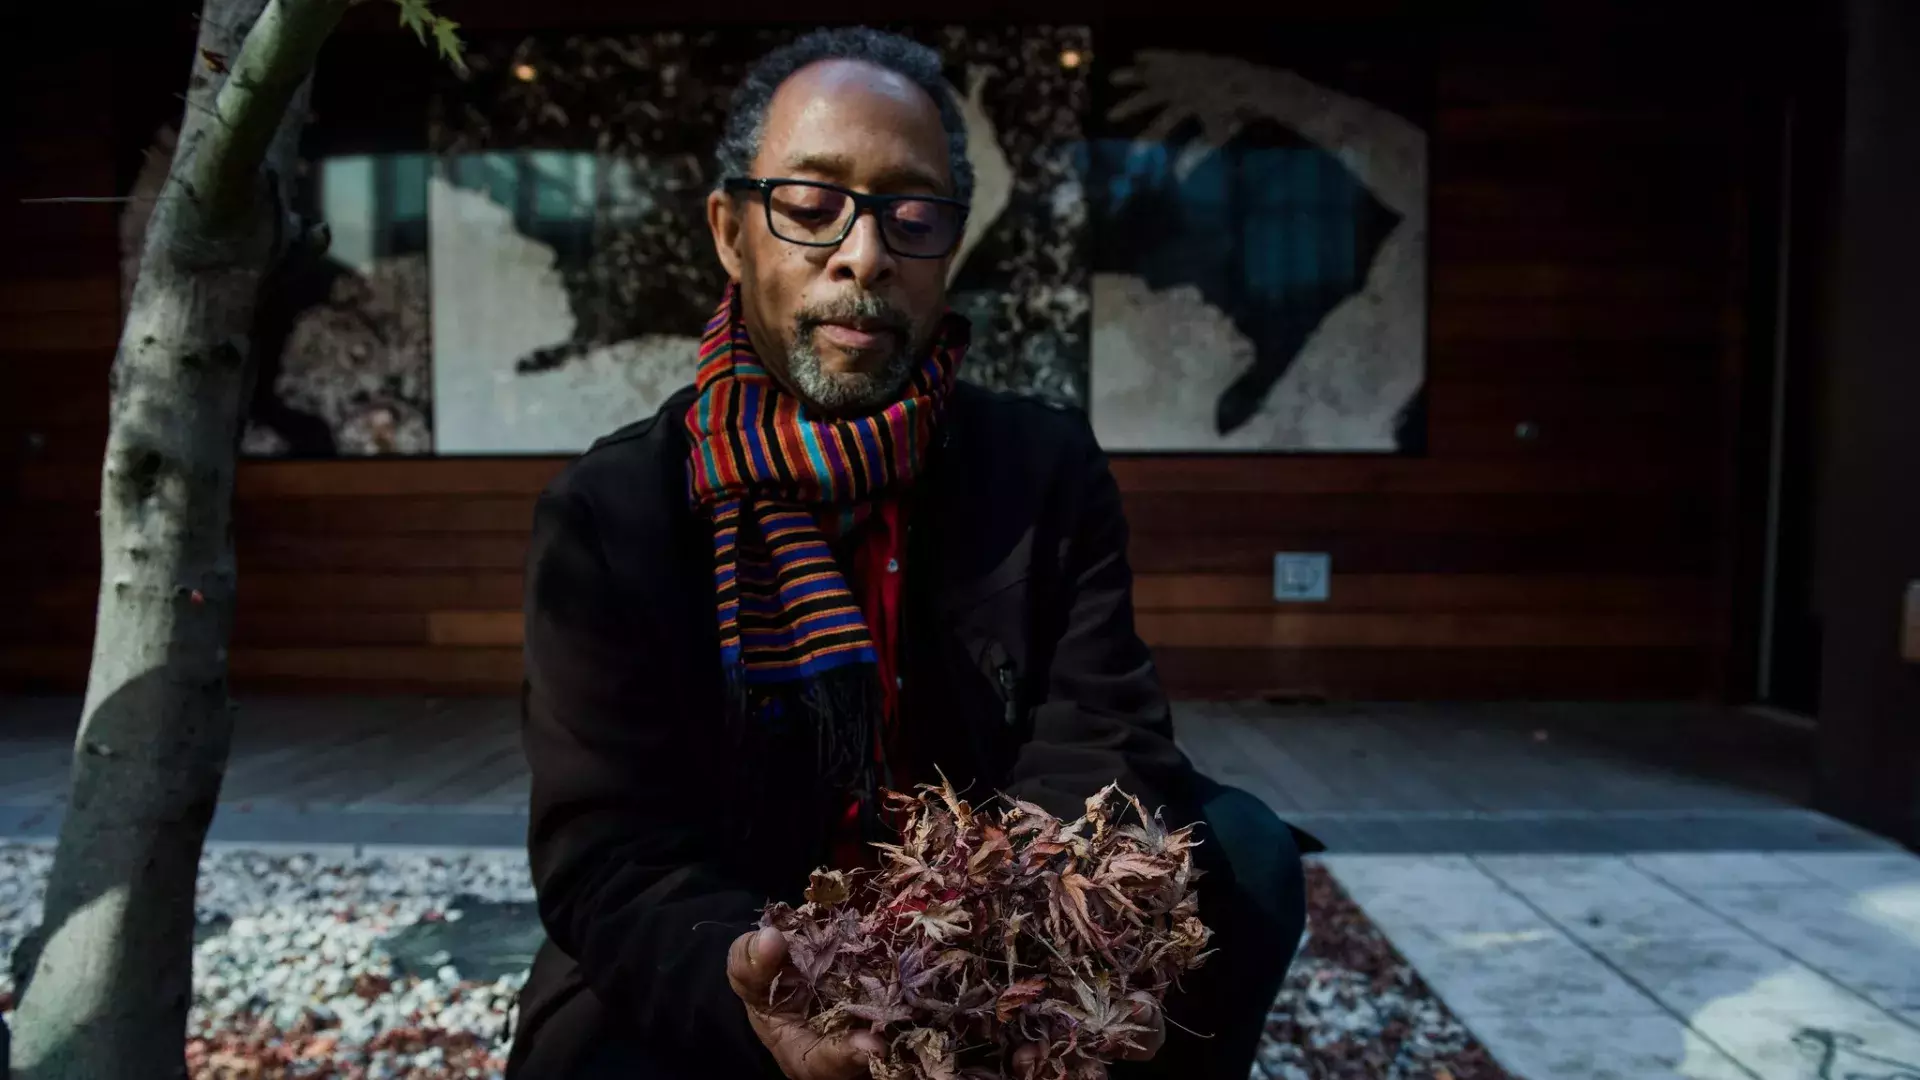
(622, 854)
(1104, 717)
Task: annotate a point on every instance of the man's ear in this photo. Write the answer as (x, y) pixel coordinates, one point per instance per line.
(725, 224)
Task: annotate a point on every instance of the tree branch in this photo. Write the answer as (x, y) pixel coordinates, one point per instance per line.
(274, 60)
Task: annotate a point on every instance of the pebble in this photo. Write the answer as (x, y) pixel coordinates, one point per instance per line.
(1352, 1008)
(293, 968)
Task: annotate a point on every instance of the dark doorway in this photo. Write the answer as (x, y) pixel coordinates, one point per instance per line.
(1791, 631)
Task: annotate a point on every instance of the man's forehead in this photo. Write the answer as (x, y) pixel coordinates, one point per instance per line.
(829, 83)
(823, 113)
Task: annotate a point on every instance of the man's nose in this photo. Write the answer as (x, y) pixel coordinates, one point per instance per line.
(862, 257)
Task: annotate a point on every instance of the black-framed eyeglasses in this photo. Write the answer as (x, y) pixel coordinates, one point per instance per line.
(814, 214)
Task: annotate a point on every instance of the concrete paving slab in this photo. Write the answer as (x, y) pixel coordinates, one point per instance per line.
(1866, 939)
(1484, 976)
(1605, 1048)
(1436, 892)
(1722, 869)
(1602, 898)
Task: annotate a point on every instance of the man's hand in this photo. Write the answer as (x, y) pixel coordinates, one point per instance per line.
(1026, 1058)
(753, 962)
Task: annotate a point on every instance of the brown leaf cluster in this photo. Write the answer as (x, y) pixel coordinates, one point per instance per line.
(989, 930)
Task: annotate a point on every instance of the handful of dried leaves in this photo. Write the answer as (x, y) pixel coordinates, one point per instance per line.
(987, 931)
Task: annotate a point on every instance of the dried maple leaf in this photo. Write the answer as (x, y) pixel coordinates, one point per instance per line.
(1023, 992)
(929, 1048)
(1073, 888)
(1046, 849)
(880, 1002)
(943, 922)
(832, 1020)
(1151, 831)
(991, 930)
(812, 952)
(828, 888)
(1136, 866)
(1010, 937)
(994, 848)
(962, 813)
(918, 969)
(1107, 1019)
(908, 869)
(1097, 803)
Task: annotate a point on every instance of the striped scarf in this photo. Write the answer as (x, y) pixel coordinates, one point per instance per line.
(779, 486)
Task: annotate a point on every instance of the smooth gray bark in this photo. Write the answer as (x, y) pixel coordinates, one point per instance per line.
(111, 966)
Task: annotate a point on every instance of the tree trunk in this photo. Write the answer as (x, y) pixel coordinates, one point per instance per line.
(109, 987)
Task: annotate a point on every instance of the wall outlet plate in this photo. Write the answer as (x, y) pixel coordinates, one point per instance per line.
(1302, 577)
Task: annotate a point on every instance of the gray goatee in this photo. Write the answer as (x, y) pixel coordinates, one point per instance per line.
(850, 391)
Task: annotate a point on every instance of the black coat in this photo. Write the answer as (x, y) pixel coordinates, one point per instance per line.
(655, 843)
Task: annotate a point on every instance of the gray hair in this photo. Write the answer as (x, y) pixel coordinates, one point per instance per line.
(747, 112)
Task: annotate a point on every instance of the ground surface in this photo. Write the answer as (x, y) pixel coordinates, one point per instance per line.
(336, 964)
(1709, 966)
(1596, 892)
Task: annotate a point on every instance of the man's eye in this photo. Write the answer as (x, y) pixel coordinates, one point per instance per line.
(916, 219)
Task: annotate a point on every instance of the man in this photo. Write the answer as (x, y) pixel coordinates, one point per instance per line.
(826, 568)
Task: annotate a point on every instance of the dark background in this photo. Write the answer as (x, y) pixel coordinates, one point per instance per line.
(1608, 227)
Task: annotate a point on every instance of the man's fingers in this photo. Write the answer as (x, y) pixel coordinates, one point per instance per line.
(867, 1044)
(1150, 1040)
(1026, 1061)
(840, 1057)
(752, 962)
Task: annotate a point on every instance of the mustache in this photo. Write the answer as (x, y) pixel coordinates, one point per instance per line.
(864, 307)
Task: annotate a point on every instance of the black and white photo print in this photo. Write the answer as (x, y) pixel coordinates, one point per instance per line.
(1259, 252)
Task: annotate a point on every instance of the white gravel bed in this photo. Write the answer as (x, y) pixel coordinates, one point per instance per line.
(300, 972)
(1346, 1025)
(349, 966)
(1352, 1008)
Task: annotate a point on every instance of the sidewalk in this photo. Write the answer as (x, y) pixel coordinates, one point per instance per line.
(1720, 966)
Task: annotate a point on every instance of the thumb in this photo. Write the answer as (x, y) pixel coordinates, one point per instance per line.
(753, 961)
(848, 1055)
(866, 1044)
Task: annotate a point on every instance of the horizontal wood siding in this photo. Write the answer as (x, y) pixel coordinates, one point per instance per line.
(1586, 272)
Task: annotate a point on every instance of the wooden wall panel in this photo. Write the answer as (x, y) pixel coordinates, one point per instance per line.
(1435, 674)
(1587, 274)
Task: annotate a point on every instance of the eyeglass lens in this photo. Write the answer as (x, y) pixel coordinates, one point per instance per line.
(805, 214)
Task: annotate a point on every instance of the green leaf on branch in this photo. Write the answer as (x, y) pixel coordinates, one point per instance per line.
(418, 16)
(415, 16)
(449, 42)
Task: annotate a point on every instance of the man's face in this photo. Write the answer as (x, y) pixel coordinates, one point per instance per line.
(839, 326)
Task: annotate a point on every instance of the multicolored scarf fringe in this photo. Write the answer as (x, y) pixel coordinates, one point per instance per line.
(779, 485)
